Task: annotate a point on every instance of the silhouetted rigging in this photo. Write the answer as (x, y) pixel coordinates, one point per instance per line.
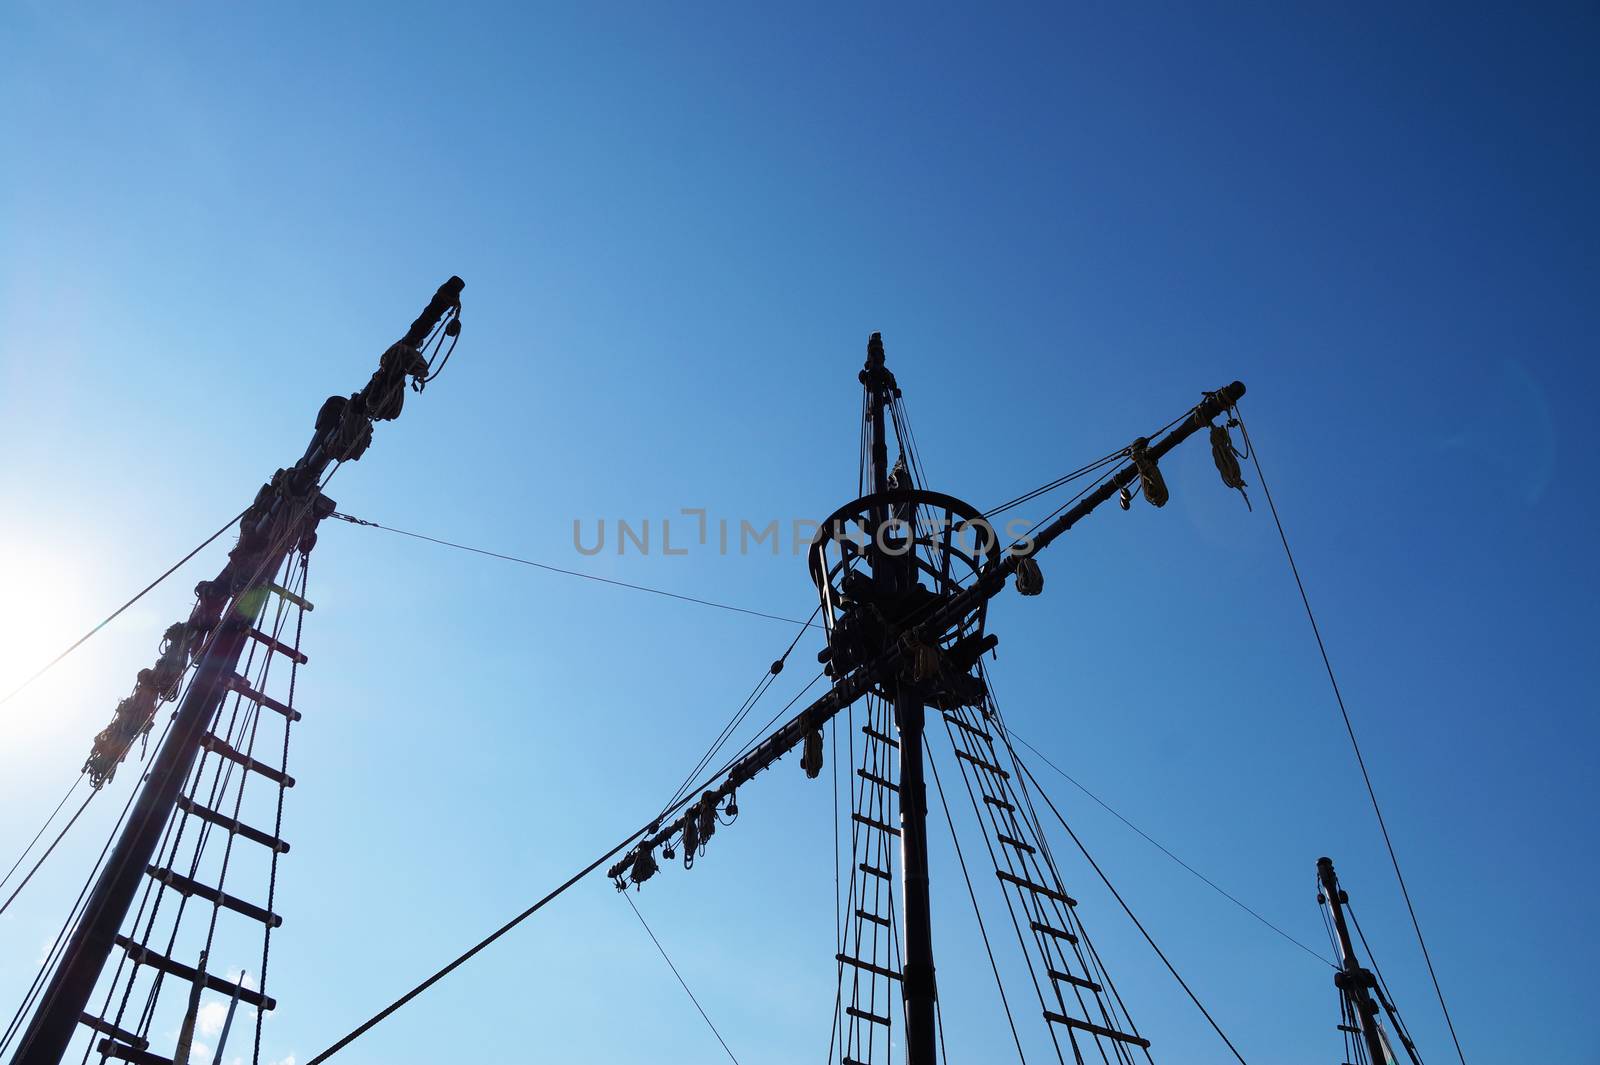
(904, 576)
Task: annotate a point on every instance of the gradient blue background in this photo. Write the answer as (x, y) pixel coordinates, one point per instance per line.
(678, 225)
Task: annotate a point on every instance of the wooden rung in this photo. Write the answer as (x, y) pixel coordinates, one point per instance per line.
(874, 734)
(229, 824)
(186, 887)
(873, 778)
(874, 918)
(211, 742)
(240, 685)
(956, 720)
(1095, 1029)
(1075, 981)
(1025, 848)
(1001, 803)
(145, 956)
(865, 1016)
(105, 1027)
(874, 871)
(981, 764)
(877, 970)
(879, 825)
(273, 644)
(1038, 889)
(135, 1055)
(280, 590)
(1044, 929)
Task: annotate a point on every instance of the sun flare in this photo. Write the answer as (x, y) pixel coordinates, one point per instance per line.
(44, 606)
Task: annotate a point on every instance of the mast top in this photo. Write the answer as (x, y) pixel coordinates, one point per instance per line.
(876, 374)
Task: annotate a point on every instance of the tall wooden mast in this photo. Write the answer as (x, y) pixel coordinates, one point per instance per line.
(892, 559)
(905, 575)
(1361, 992)
(283, 519)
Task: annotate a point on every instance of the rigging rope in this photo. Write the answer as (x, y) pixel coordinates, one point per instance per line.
(1163, 849)
(57, 949)
(202, 657)
(42, 828)
(486, 941)
(277, 823)
(1064, 479)
(63, 950)
(1000, 863)
(1383, 987)
(87, 799)
(766, 728)
(972, 894)
(681, 982)
(744, 710)
(1350, 729)
(1044, 521)
(574, 573)
(1126, 909)
(240, 734)
(475, 949)
(1051, 486)
(760, 689)
(80, 641)
(838, 900)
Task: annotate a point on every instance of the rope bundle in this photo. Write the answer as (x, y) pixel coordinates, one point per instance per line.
(1227, 457)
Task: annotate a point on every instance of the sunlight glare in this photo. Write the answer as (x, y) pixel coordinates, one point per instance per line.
(44, 606)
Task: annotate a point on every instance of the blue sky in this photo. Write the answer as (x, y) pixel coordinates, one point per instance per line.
(677, 228)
